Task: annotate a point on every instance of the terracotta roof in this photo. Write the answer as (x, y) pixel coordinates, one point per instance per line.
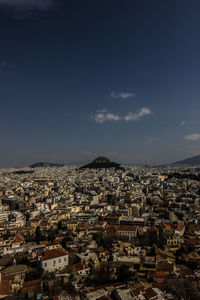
(8, 277)
(164, 266)
(104, 298)
(44, 242)
(180, 227)
(76, 267)
(108, 226)
(127, 228)
(166, 226)
(56, 242)
(4, 287)
(110, 230)
(149, 293)
(137, 290)
(73, 249)
(34, 285)
(49, 254)
(161, 286)
(160, 274)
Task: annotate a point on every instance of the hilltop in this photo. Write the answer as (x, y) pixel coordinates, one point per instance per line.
(195, 160)
(45, 165)
(100, 163)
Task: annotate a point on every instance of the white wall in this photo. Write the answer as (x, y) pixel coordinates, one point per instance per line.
(55, 263)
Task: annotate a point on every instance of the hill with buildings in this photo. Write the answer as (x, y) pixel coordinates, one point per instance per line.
(101, 162)
(45, 165)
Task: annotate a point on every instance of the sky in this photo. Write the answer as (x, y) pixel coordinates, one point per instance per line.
(79, 79)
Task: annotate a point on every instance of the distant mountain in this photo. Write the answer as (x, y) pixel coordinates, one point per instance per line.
(45, 165)
(100, 163)
(195, 160)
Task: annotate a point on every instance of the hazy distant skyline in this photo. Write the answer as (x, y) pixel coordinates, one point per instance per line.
(79, 79)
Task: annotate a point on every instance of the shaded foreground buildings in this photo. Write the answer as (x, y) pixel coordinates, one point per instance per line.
(100, 233)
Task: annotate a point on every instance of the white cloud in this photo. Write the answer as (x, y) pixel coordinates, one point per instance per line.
(3, 64)
(6, 66)
(122, 95)
(137, 115)
(89, 153)
(182, 123)
(103, 116)
(102, 110)
(150, 140)
(28, 4)
(193, 137)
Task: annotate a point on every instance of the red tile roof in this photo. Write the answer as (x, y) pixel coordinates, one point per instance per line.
(34, 285)
(150, 294)
(127, 228)
(50, 254)
(4, 287)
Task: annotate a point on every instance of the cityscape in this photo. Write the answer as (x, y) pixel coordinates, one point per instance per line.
(100, 231)
(100, 150)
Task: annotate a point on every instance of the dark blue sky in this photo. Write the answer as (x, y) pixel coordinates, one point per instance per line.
(114, 77)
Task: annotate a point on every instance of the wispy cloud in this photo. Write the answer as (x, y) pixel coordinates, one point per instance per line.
(28, 4)
(150, 140)
(104, 110)
(103, 116)
(193, 137)
(90, 153)
(6, 66)
(122, 95)
(3, 64)
(182, 123)
(134, 116)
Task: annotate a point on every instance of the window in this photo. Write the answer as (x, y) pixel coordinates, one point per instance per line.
(45, 264)
(64, 258)
(59, 260)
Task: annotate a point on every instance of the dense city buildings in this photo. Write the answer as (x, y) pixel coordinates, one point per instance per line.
(100, 233)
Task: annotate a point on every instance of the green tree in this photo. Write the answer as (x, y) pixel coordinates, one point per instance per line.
(124, 274)
(184, 289)
(34, 274)
(38, 234)
(69, 287)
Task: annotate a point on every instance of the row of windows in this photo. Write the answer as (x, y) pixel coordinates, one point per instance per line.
(54, 261)
(173, 242)
(127, 232)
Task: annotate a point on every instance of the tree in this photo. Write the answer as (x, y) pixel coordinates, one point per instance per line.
(101, 276)
(105, 241)
(124, 274)
(60, 227)
(184, 289)
(38, 234)
(69, 287)
(6, 235)
(67, 238)
(34, 274)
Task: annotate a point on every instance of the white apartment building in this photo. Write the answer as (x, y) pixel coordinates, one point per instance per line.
(54, 259)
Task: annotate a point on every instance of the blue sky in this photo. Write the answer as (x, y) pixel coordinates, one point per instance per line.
(84, 78)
